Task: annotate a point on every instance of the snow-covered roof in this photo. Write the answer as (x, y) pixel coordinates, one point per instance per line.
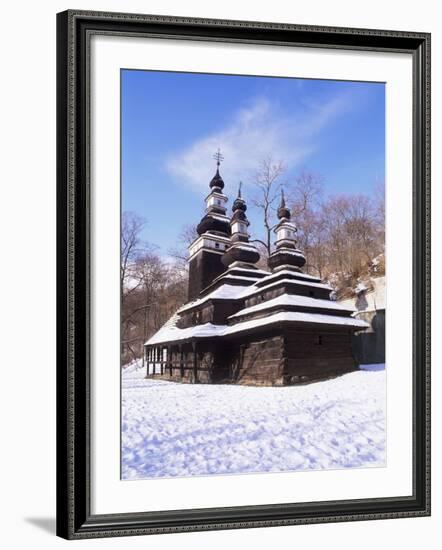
(223, 292)
(295, 274)
(297, 316)
(293, 300)
(243, 246)
(237, 278)
(231, 292)
(286, 250)
(239, 267)
(254, 289)
(248, 273)
(165, 329)
(221, 217)
(172, 333)
(228, 291)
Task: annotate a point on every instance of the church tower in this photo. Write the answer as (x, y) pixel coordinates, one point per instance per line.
(241, 253)
(213, 239)
(286, 255)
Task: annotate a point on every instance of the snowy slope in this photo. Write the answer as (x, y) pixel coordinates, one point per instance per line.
(171, 429)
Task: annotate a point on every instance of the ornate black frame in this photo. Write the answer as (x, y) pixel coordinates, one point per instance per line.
(74, 520)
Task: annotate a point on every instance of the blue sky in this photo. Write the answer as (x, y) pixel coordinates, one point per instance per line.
(172, 123)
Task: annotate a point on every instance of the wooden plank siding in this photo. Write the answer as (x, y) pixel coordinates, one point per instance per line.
(281, 357)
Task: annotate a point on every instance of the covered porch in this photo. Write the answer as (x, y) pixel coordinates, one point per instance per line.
(187, 361)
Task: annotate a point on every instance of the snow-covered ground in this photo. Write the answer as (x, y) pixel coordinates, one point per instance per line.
(171, 429)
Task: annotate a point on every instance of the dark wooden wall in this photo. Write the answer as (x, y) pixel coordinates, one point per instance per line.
(292, 356)
(261, 362)
(213, 311)
(287, 288)
(315, 355)
(203, 269)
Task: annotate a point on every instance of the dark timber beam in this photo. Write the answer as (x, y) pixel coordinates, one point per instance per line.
(195, 362)
(180, 347)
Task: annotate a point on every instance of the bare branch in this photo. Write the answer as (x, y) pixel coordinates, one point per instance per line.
(267, 181)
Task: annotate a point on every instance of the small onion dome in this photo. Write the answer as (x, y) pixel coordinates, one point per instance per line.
(213, 224)
(217, 181)
(283, 211)
(286, 256)
(239, 203)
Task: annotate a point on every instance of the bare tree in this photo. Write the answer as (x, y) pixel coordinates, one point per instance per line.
(305, 198)
(186, 237)
(340, 235)
(354, 235)
(131, 243)
(152, 288)
(159, 291)
(268, 181)
(306, 193)
(379, 197)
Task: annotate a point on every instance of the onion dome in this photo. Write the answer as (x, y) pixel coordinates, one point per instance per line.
(283, 211)
(217, 181)
(239, 204)
(239, 215)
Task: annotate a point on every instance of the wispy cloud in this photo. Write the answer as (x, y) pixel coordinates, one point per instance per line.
(259, 130)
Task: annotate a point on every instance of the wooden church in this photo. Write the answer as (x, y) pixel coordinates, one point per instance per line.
(248, 326)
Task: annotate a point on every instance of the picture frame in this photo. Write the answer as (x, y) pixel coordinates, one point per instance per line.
(75, 518)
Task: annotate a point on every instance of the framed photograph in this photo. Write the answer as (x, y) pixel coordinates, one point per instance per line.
(243, 274)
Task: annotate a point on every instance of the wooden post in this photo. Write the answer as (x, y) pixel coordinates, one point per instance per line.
(180, 347)
(195, 362)
(169, 360)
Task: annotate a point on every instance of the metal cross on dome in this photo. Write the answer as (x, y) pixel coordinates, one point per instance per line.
(218, 157)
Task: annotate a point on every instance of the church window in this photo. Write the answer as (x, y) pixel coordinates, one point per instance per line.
(216, 245)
